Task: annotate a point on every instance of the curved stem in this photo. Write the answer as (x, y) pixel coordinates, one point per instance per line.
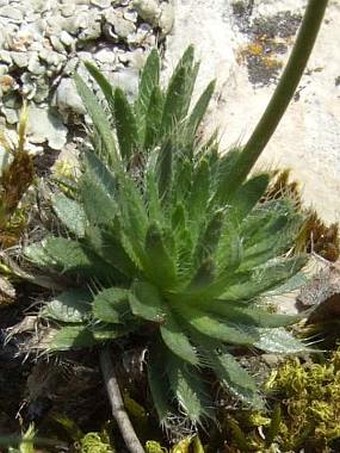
(284, 91)
(131, 440)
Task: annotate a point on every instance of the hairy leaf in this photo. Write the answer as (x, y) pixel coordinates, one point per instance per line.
(217, 327)
(71, 306)
(146, 302)
(188, 389)
(99, 118)
(279, 341)
(126, 125)
(199, 111)
(102, 81)
(160, 267)
(71, 213)
(159, 385)
(176, 340)
(71, 337)
(179, 92)
(111, 305)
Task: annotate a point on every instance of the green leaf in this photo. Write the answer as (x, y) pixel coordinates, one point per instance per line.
(223, 176)
(160, 266)
(164, 169)
(179, 92)
(229, 372)
(37, 254)
(236, 378)
(146, 302)
(177, 341)
(99, 118)
(133, 215)
(244, 314)
(263, 279)
(279, 341)
(209, 240)
(188, 388)
(126, 126)
(98, 191)
(200, 191)
(104, 332)
(149, 80)
(111, 305)
(107, 243)
(66, 254)
(148, 85)
(248, 195)
(218, 328)
(71, 337)
(159, 384)
(153, 119)
(205, 275)
(71, 213)
(199, 111)
(70, 306)
(102, 82)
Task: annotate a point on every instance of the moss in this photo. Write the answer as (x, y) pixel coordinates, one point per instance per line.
(310, 395)
(304, 414)
(95, 443)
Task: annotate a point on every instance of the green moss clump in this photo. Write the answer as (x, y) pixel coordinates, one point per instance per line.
(310, 395)
(95, 443)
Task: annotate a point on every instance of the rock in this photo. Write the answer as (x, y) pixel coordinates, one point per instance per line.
(45, 125)
(67, 9)
(92, 31)
(21, 40)
(127, 80)
(67, 99)
(20, 59)
(148, 10)
(71, 66)
(12, 13)
(307, 139)
(130, 15)
(122, 27)
(323, 294)
(167, 18)
(5, 57)
(12, 115)
(3, 69)
(66, 39)
(7, 83)
(34, 65)
(105, 56)
(3, 38)
(101, 3)
(57, 44)
(39, 6)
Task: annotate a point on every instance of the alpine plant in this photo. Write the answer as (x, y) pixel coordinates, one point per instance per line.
(161, 244)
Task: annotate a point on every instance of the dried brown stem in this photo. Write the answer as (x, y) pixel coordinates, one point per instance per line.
(131, 440)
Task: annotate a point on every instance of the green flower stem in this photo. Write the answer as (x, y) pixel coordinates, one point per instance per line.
(284, 91)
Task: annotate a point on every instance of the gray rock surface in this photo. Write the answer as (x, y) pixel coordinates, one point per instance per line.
(308, 138)
(43, 43)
